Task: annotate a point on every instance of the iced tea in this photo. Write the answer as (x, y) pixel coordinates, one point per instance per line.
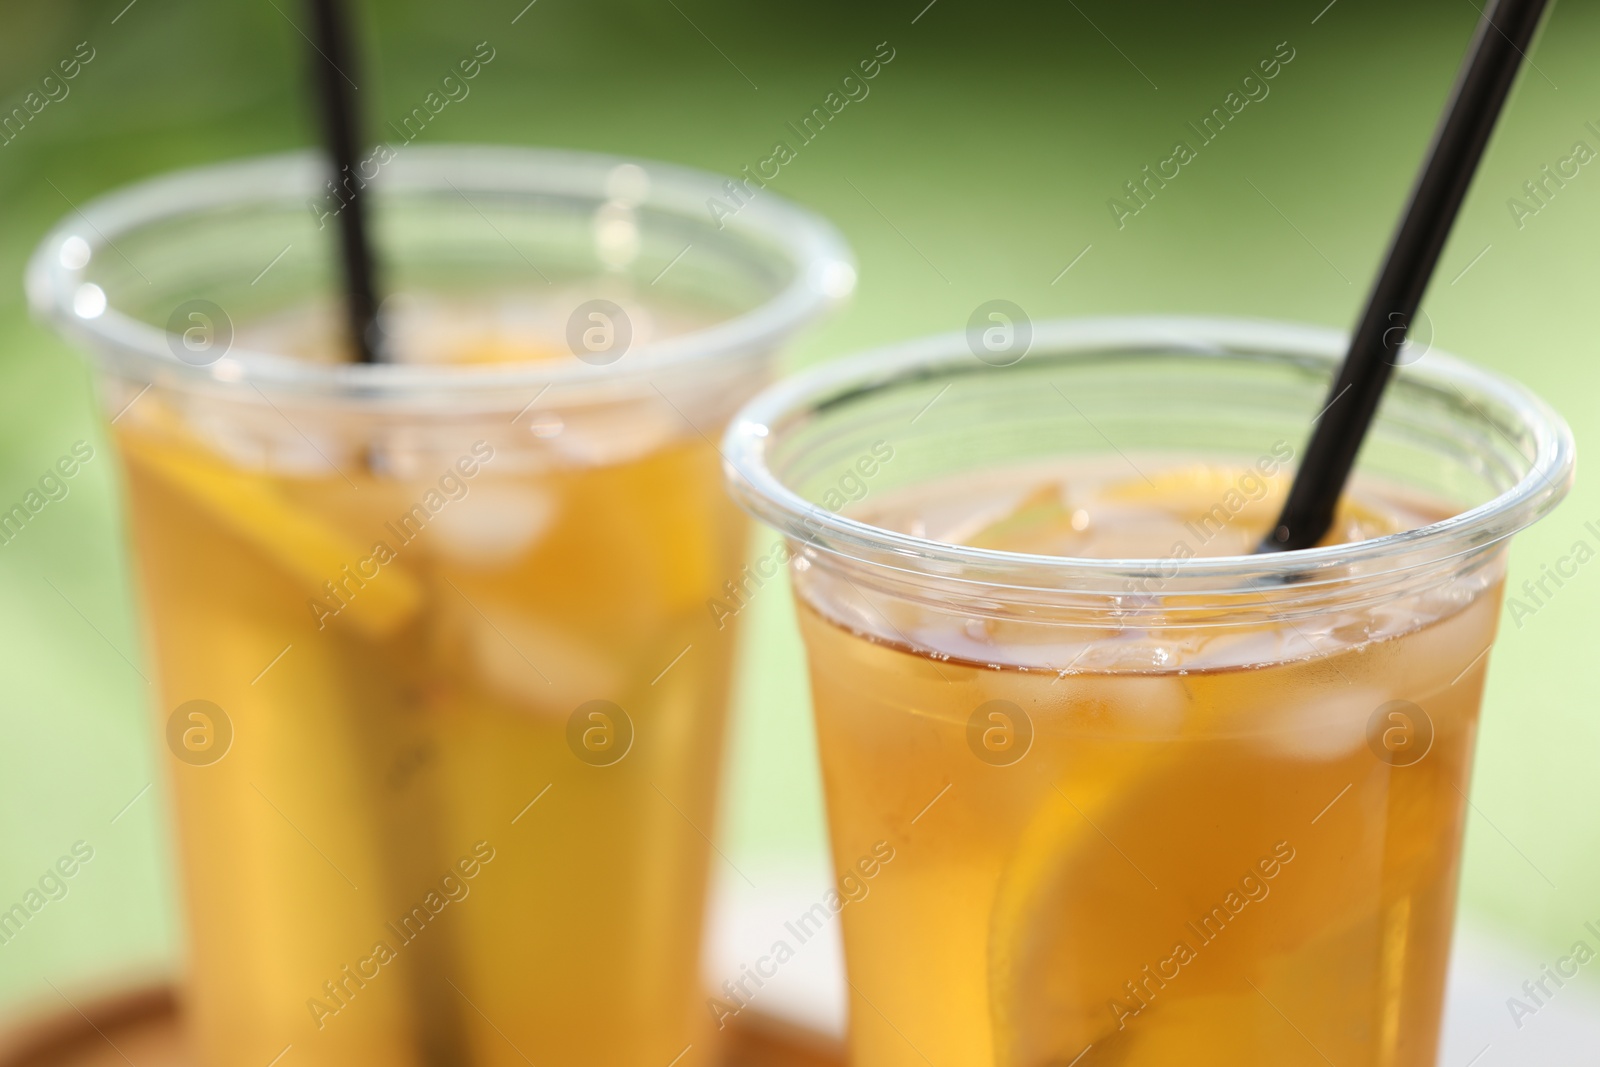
(475, 704)
(1153, 798)
(440, 694)
(1149, 848)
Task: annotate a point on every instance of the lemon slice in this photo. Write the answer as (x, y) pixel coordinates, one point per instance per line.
(1085, 953)
(1028, 1004)
(298, 542)
(1196, 491)
(1088, 957)
(1041, 523)
(496, 349)
(1055, 956)
(1356, 520)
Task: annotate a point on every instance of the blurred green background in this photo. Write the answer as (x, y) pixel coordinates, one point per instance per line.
(979, 167)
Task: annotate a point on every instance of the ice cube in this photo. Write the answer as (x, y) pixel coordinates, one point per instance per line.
(1322, 726)
(493, 524)
(1141, 706)
(536, 662)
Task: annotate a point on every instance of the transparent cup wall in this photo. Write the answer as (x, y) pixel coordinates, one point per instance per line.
(442, 698)
(1103, 811)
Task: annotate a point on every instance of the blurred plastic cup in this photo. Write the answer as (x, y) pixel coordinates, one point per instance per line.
(443, 694)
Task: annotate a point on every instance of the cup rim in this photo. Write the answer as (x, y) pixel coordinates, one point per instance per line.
(762, 493)
(825, 271)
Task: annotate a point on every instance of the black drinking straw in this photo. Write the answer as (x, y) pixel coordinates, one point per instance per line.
(335, 70)
(1498, 47)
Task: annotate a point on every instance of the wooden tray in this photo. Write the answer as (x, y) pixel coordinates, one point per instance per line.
(142, 1026)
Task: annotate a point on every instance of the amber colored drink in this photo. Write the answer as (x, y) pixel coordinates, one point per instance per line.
(441, 700)
(410, 853)
(1154, 798)
(1180, 864)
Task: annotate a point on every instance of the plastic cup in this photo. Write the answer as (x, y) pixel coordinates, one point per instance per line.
(1157, 810)
(443, 700)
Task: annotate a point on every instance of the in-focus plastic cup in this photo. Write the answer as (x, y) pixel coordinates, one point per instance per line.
(1153, 810)
(443, 697)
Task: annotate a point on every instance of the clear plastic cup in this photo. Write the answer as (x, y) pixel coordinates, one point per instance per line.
(443, 698)
(1155, 810)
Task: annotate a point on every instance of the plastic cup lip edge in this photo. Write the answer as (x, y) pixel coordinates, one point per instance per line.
(141, 350)
(759, 491)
